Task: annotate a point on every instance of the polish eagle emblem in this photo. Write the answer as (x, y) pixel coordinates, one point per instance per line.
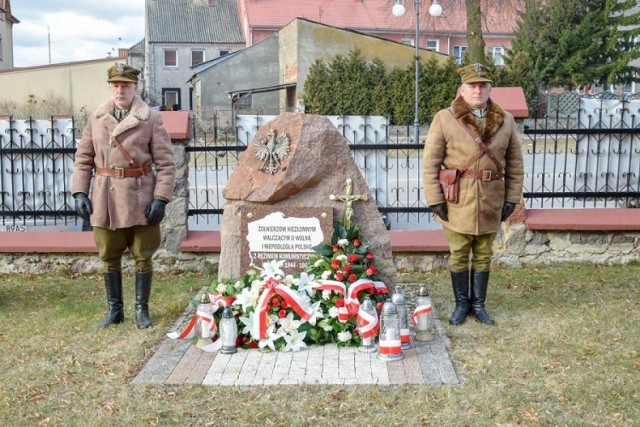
(272, 151)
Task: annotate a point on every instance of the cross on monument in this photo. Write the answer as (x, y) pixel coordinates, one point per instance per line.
(348, 198)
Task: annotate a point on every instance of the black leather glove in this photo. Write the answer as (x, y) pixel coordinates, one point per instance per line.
(155, 211)
(507, 210)
(83, 206)
(441, 211)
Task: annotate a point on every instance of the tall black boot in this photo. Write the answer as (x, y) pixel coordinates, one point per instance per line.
(460, 282)
(143, 290)
(479, 284)
(113, 285)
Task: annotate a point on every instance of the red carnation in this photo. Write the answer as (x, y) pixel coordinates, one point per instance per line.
(335, 264)
(352, 277)
(282, 313)
(353, 258)
(339, 276)
(340, 302)
(347, 268)
(275, 302)
(357, 243)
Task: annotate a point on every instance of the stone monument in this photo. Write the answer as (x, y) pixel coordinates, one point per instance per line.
(299, 161)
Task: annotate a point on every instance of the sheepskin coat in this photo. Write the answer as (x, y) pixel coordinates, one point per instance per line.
(449, 145)
(122, 202)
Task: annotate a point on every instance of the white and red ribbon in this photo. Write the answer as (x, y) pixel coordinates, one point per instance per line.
(207, 323)
(293, 299)
(419, 311)
(367, 324)
(350, 309)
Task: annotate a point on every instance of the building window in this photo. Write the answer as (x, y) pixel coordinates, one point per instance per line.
(170, 58)
(197, 57)
(407, 41)
(171, 99)
(224, 52)
(458, 53)
(497, 54)
(245, 102)
(433, 45)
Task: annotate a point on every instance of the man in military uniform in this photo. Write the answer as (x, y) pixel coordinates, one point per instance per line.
(489, 189)
(127, 153)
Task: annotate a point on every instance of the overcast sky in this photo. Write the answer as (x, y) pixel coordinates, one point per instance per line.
(79, 29)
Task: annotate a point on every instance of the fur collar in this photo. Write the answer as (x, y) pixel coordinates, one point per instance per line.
(139, 111)
(492, 121)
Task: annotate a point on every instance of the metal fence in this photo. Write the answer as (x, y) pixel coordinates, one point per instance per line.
(585, 155)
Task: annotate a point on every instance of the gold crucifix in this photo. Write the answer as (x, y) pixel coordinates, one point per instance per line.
(348, 198)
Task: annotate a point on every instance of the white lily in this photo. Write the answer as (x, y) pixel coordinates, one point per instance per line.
(295, 341)
(248, 298)
(325, 275)
(305, 283)
(272, 269)
(248, 323)
(272, 336)
(289, 324)
(316, 313)
(326, 294)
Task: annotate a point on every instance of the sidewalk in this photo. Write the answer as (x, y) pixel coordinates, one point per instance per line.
(180, 362)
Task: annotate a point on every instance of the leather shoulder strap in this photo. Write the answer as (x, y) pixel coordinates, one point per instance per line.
(124, 152)
(484, 148)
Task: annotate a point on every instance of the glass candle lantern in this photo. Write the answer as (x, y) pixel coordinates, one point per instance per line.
(203, 327)
(367, 326)
(389, 346)
(228, 332)
(423, 316)
(403, 319)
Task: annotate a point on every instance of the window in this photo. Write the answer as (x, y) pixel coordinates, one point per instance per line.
(432, 45)
(224, 52)
(497, 54)
(170, 58)
(1, 56)
(197, 57)
(244, 103)
(171, 98)
(458, 53)
(407, 41)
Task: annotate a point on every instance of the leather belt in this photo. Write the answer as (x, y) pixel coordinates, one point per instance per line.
(485, 175)
(123, 173)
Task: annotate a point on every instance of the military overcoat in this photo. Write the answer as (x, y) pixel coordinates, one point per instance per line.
(122, 202)
(449, 145)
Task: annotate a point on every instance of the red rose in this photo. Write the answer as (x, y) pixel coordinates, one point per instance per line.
(368, 256)
(347, 268)
(282, 313)
(353, 258)
(253, 344)
(352, 277)
(275, 302)
(371, 271)
(284, 305)
(357, 243)
(335, 248)
(335, 264)
(339, 276)
(379, 306)
(340, 302)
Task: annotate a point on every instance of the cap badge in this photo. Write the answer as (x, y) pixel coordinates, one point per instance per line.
(120, 68)
(479, 69)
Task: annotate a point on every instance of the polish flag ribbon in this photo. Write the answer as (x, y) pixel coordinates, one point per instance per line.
(293, 299)
(354, 289)
(419, 311)
(351, 308)
(208, 324)
(390, 347)
(367, 324)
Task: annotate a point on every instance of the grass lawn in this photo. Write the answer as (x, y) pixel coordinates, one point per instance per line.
(565, 351)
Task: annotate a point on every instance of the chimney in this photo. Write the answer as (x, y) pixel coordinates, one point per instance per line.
(123, 52)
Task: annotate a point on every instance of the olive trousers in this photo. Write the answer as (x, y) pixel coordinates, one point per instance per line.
(142, 241)
(461, 246)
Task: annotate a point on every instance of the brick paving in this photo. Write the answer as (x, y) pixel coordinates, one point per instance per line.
(181, 362)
